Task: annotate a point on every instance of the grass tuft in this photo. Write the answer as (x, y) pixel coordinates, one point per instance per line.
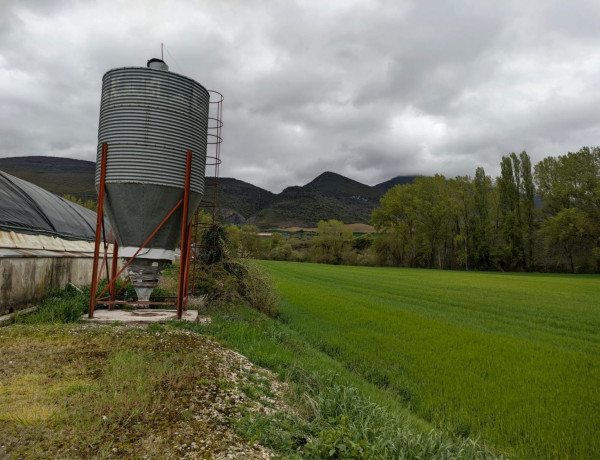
(60, 306)
(332, 413)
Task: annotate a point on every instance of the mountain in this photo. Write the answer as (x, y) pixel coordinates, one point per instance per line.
(58, 175)
(303, 207)
(340, 187)
(245, 198)
(328, 196)
(398, 180)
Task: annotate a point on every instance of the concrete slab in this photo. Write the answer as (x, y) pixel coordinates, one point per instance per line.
(142, 316)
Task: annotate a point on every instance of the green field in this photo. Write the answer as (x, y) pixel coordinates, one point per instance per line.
(511, 359)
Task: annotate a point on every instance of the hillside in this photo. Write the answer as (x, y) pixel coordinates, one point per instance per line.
(337, 186)
(398, 180)
(299, 206)
(328, 196)
(245, 198)
(57, 175)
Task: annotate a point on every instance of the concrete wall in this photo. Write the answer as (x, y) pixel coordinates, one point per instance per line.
(24, 280)
(33, 265)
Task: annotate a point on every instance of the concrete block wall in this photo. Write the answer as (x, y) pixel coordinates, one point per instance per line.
(25, 280)
(33, 265)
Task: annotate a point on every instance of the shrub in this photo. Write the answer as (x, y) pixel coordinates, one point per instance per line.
(256, 288)
(281, 253)
(363, 242)
(224, 280)
(213, 245)
(328, 247)
(277, 239)
(216, 283)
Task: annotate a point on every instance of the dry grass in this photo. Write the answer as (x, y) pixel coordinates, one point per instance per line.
(84, 391)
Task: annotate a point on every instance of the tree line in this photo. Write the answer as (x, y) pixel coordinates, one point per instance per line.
(531, 218)
(545, 218)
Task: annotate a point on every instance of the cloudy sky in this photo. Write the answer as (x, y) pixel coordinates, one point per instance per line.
(369, 89)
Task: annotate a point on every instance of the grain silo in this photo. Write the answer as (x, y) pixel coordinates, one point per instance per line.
(149, 119)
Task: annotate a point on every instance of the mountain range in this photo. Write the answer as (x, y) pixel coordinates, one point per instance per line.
(328, 196)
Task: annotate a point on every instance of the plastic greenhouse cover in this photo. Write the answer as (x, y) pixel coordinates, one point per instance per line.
(27, 208)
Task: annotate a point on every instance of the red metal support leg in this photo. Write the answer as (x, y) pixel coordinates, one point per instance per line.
(113, 275)
(184, 236)
(187, 267)
(195, 251)
(105, 256)
(95, 275)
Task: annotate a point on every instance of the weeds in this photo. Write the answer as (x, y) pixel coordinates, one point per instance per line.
(333, 412)
(237, 281)
(338, 422)
(61, 306)
(108, 392)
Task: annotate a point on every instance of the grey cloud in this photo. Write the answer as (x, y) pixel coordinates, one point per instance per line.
(370, 89)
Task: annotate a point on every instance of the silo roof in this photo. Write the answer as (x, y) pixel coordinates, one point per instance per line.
(27, 208)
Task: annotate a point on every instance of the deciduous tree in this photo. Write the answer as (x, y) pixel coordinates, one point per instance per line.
(329, 244)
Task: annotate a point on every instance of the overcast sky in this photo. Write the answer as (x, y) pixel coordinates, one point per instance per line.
(368, 89)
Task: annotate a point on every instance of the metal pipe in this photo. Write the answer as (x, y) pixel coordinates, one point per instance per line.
(196, 216)
(186, 283)
(99, 218)
(113, 275)
(184, 235)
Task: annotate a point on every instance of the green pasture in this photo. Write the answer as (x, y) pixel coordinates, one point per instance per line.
(511, 359)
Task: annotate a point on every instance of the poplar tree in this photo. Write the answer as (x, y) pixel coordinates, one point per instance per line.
(570, 187)
(527, 210)
(482, 186)
(509, 245)
(462, 196)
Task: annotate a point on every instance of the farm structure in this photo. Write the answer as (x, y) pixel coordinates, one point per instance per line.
(45, 243)
(150, 174)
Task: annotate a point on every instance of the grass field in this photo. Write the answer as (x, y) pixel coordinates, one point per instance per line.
(511, 359)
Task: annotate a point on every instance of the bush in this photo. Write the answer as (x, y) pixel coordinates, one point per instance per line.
(363, 242)
(277, 239)
(216, 283)
(331, 242)
(281, 253)
(257, 288)
(224, 280)
(212, 245)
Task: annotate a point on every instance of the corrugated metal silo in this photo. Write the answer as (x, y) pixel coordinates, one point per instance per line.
(150, 118)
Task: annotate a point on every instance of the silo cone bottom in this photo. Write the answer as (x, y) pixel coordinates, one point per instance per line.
(144, 274)
(143, 294)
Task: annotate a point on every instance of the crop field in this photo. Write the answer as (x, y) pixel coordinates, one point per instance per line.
(510, 359)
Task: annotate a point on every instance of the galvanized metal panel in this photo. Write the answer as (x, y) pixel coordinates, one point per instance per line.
(135, 210)
(150, 119)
